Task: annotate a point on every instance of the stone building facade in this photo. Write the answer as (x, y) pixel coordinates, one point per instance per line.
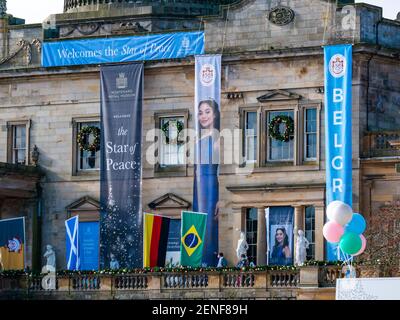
(272, 63)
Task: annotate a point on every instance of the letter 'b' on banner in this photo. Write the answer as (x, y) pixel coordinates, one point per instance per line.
(338, 127)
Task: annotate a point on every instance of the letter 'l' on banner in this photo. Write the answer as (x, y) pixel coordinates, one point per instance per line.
(207, 120)
(338, 128)
(121, 218)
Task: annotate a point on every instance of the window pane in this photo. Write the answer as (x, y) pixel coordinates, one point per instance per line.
(172, 148)
(251, 234)
(251, 136)
(280, 150)
(310, 231)
(19, 144)
(310, 134)
(88, 160)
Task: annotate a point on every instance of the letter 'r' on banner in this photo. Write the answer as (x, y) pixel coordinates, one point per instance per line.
(338, 128)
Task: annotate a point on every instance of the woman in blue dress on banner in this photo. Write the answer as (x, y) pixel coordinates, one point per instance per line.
(206, 186)
(281, 255)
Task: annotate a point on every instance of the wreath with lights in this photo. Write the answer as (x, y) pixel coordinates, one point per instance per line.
(165, 130)
(83, 138)
(274, 131)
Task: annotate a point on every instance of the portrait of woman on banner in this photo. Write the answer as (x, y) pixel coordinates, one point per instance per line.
(206, 185)
(281, 253)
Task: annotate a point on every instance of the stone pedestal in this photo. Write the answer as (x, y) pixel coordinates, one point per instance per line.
(309, 277)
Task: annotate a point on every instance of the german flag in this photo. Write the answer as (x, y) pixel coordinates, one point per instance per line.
(156, 230)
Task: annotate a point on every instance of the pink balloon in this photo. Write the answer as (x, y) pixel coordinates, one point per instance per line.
(363, 246)
(333, 231)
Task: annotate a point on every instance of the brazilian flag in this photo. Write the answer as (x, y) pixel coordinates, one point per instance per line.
(192, 238)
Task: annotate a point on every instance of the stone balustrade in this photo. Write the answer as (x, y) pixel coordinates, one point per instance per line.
(381, 144)
(272, 284)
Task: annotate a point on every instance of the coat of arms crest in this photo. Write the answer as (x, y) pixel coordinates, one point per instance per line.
(337, 66)
(207, 75)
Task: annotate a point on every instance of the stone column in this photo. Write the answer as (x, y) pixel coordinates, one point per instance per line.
(261, 238)
(298, 225)
(319, 238)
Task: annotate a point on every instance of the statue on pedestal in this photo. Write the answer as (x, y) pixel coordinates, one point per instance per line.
(242, 246)
(50, 255)
(302, 245)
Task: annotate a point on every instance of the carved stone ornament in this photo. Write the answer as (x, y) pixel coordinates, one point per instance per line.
(23, 45)
(281, 15)
(3, 8)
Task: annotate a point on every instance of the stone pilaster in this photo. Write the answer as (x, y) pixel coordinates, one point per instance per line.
(261, 238)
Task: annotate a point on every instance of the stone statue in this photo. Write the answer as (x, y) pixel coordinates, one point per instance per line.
(242, 246)
(3, 8)
(114, 264)
(50, 255)
(302, 245)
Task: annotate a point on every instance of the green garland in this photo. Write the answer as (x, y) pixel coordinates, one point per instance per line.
(274, 131)
(83, 138)
(165, 130)
(16, 273)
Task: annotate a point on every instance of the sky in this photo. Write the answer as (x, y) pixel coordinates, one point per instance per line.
(35, 11)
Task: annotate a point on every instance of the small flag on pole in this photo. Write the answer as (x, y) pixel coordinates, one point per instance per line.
(192, 241)
(72, 258)
(155, 242)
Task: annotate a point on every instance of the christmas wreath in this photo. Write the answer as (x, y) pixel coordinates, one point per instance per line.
(165, 130)
(274, 130)
(83, 138)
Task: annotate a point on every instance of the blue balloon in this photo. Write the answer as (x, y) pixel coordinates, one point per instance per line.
(357, 224)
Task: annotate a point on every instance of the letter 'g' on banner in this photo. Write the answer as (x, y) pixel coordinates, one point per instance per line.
(338, 128)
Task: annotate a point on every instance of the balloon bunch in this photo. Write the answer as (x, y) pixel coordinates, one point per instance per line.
(345, 228)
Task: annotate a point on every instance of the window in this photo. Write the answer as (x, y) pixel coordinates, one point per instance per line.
(251, 234)
(280, 150)
(264, 148)
(171, 148)
(87, 160)
(18, 142)
(310, 134)
(172, 142)
(309, 231)
(250, 136)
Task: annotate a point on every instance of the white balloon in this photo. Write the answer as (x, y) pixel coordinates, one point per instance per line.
(339, 212)
(331, 207)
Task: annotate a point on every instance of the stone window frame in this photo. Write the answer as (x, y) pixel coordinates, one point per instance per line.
(75, 122)
(10, 137)
(262, 139)
(173, 170)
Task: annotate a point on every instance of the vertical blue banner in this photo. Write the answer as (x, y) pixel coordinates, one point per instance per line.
(338, 126)
(207, 119)
(12, 244)
(121, 219)
(89, 245)
(72, 243)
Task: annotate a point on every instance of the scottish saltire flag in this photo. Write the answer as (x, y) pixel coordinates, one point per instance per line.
(155, 240)
(193, 230)
(72, 241)
(338, 128)
(12, 244)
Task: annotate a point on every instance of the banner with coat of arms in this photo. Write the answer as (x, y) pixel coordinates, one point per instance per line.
(338, 128)
(12, 244)
(207, 149)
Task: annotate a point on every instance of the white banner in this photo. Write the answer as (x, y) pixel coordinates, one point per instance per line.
(368, 289)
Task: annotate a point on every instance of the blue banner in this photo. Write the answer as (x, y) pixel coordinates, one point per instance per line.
(12, 244)
(280, 237)
(207, 119)
(122, 49)
(89, 245)
(174, 244)
(338, 128)
(121, 218)
(72, 243)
